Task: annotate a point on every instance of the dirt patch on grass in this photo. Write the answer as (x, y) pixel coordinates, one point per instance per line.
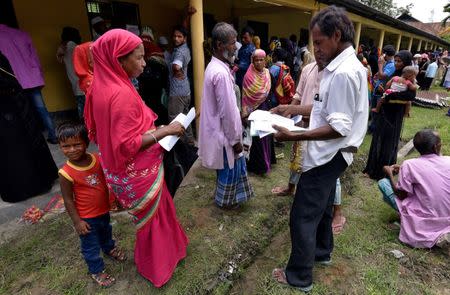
(263, 264)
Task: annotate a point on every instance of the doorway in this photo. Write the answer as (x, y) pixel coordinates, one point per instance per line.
(261, 30)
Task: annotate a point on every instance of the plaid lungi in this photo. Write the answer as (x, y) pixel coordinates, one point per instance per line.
(232, 185)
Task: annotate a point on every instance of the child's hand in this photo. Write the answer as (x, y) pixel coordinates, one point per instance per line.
(82, 228)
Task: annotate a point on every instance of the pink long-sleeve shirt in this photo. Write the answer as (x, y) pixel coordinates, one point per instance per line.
(425, 213)
(220, 120)
(18, 48)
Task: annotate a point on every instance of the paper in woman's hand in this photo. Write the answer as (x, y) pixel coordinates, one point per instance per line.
(169, 142)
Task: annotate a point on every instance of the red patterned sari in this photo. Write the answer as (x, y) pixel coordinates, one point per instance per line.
(116, 118)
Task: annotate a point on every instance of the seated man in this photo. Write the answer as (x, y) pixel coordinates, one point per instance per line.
(422, 194)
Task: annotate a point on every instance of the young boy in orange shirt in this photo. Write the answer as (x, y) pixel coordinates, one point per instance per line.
(86, 198)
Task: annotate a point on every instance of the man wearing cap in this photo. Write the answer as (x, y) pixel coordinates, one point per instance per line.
(164, 45)
(99, 26)
(386, 69)
(150, 47)
(415, 61)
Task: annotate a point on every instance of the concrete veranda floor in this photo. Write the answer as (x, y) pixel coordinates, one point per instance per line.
(10, 213)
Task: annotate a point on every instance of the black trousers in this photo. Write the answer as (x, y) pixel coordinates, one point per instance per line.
(311, 218)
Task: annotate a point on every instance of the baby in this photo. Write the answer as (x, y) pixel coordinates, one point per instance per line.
(398, 84)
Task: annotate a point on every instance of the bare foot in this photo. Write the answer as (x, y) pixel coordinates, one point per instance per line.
(338, 223)
(280, 191)
(279, 275)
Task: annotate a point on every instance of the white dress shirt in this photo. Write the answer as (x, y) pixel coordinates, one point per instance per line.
(341, 103)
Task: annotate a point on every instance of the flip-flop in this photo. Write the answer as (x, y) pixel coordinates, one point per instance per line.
(338, 228)
(279, 275)
(103, 279)
(117, 254)
(279, 191)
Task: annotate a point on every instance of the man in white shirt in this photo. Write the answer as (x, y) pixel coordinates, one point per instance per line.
(338, 120)
(430, 74)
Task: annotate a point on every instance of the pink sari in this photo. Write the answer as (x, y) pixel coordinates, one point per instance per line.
(116, 118)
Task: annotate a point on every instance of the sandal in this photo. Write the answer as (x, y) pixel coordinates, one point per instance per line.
(103, 279)
(281, 192)
(117, 254)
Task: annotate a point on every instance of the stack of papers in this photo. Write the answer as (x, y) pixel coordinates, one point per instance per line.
(261, 123)
(168, 142)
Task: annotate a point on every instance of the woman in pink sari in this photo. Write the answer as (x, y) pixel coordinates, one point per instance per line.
(123, 127)
(255, 96)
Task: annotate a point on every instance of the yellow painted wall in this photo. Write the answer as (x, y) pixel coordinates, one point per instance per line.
(45, 29)
(283, 25)
(44, 21)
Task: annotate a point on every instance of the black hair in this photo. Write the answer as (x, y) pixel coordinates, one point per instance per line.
(285, 43)
(70, 129)
(332, 19)
(70, 34)
(248, 30)
(374, 50)
(360, 57)
(293, 38)
(280, 54)
(273, 38)
(389, 50)
(425, 141)
(181, 29)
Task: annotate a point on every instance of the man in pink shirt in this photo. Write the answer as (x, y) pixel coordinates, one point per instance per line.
(220, 133)
(422, 193)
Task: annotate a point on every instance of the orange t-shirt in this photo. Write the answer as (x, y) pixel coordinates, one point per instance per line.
(91, 195)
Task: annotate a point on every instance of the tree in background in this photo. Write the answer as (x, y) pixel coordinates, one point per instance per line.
(388, 7)
(445, 34)
(447, 10)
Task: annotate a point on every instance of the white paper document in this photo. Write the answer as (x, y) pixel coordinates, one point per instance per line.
(262, 122)
(168, 142)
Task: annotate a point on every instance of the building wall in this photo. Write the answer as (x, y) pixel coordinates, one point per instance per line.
(44, 21)
(282, 25)
(45, 29)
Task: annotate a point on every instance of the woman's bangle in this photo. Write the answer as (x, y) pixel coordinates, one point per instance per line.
(154, 137)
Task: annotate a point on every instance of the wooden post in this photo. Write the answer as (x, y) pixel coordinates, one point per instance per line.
(399, 41)
(381, 39)
(198, 58)
(357, 35)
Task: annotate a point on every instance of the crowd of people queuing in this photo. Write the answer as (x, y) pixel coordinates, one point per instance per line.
(129, 88)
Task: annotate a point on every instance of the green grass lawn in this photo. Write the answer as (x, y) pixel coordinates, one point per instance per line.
(234, 252)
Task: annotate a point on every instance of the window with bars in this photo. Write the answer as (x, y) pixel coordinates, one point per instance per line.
(93, 7)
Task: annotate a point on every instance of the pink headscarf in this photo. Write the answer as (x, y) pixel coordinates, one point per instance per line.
(256, 85)
(115, 114)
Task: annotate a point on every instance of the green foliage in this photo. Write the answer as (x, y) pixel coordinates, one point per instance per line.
(388, 7)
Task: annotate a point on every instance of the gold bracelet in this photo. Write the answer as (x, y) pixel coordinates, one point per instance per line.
(154, 137)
